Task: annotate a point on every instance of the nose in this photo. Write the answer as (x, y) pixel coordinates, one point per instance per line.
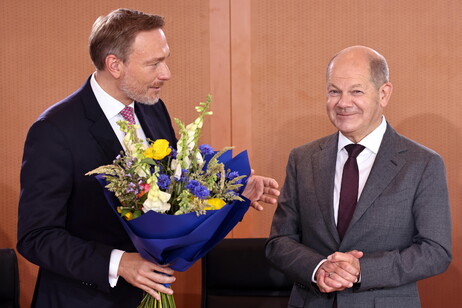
(344, 101)
(164, 73)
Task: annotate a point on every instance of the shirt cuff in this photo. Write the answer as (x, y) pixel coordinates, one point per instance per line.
(313, 276)
(116, 256)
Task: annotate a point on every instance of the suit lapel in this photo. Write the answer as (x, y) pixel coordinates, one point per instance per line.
(149, 124)
(386, 166)
(324, 173)
(100, 128)
(155, 121)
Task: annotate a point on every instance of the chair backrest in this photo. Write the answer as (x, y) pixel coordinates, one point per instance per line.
(9, 279)
(236, 274)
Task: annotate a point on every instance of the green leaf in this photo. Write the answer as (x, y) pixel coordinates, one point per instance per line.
(124, 212)
(137, 213)
(149, 161)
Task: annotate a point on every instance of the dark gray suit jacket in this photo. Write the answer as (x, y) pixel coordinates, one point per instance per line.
(401, 223)
(65, 224)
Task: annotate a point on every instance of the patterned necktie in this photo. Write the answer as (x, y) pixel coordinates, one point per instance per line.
(129, 114)
(349, 189)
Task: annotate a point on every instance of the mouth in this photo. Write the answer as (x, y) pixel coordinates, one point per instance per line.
(345, 114)
(156, 88)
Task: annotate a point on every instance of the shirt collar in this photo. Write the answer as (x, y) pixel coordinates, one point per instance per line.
(111, 107)
(371, 141)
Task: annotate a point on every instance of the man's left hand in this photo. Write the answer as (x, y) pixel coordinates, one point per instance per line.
(340, 271)
(261, 189)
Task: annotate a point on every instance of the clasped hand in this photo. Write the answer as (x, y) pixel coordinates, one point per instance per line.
(339, 272)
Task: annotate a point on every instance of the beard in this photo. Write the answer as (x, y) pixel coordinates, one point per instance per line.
(137, 92)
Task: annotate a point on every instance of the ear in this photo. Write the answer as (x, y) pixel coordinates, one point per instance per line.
(114, 66)
(385, 93)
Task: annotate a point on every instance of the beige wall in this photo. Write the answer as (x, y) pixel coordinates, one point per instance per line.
(263, 61)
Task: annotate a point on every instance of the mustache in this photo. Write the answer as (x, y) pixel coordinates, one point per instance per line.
(158, 84)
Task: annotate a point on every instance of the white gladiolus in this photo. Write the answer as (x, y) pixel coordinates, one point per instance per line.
(199, 158)
(173, 164)
(177, 171)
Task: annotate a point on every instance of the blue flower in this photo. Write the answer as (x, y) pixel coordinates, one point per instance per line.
(174, 153)
(206, 149)
(232, 175)
(163, 181)
(184, 176)
(202, 192)
(192, 185)
(197, 189)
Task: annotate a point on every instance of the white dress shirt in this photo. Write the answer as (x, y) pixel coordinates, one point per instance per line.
(365, 162)
(112, 108)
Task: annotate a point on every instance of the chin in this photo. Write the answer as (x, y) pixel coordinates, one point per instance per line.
(346, 129)
(147, 101)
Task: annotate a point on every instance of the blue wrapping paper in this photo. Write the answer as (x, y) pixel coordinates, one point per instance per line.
(181, 240)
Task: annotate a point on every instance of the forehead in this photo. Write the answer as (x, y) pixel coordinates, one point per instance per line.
(348, 71)
(152, 43)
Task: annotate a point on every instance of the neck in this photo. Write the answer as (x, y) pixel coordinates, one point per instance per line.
(111, 86)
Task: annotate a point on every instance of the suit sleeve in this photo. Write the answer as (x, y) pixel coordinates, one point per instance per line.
(430, 251)
(46, 187)
(284, 248)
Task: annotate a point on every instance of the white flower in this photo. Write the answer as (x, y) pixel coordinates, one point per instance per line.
(177, 167)
(157, 199)
(173, 164)
(186, 163)
(157, 205)
(199, 158)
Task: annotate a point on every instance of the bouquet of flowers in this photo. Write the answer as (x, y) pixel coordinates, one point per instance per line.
(198, 188)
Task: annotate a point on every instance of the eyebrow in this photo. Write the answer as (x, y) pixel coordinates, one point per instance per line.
(353, 86)
(331, 85)
(157, 59)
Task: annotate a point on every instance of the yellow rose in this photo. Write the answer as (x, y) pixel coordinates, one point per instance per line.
(214, 204)
(158, 150)
(129, 216)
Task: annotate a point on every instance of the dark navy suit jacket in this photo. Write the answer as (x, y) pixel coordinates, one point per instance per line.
(65, 224)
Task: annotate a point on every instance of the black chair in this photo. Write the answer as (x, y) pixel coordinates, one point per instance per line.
(9, 279)
(236, 274)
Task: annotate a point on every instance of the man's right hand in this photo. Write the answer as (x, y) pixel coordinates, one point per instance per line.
(340, 271)
(145, 275)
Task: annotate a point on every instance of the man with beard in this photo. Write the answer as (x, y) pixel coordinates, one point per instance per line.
(65, 227)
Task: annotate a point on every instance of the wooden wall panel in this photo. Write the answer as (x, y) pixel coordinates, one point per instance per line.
(44, 58)
(293, 41)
